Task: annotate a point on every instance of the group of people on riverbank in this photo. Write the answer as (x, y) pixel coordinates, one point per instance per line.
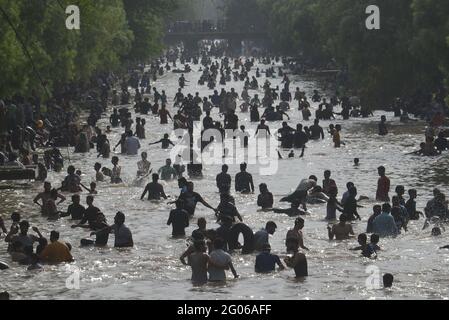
(209, 252)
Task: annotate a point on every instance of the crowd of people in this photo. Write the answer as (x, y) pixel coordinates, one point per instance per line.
(28, 131)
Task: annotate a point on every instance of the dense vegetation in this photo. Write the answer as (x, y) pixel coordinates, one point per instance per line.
(410, 52)
(113, 33)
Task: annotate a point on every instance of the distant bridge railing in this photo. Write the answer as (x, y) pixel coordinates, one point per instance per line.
(208, 27)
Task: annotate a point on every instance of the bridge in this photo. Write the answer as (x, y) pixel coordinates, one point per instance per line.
(190, 33)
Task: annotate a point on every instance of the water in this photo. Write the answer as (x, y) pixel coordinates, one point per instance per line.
(152, 269)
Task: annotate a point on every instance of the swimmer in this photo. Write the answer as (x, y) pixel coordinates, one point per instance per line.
(388, 280)
(92, 189)
(297, 261)
(261, 237)
(220, 261)
(383, 186)
(165, 141)
(296, 234)
(265, 198)
(75, 210)
(190, 199)
(116, 171)
(167, 172)
(244, 180)
(143, 166)
(293, 211)
(154, 189)
(367, 250)
(266, 262)
(179, 219)
(123, 236)
(199, 261)
(99, 177)
(341, 231)
(46, 195)
(57, 251)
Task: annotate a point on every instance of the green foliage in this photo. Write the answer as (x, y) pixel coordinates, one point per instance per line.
(409, 52)
(112, 33)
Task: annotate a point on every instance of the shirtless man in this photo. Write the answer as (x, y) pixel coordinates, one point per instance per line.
(296, 234)
(297, 261)
(341, 231)
(199, 261)
(383, 186)
(46, 195)
(143, 166)
(154, 189)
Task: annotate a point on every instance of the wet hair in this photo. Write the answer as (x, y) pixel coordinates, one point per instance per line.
(412, 191)
(400, 189)
(90, 198)
(349, 185)
(436, 232)
(353, 191)
(386, 207)
(312, 177)
(374, 238)
(271, 224)
(299, 221)
(120, 215)
(54, 235)
(15, 217)
(388, 280)
(75, 197)
(24, 224)
(362, 238)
